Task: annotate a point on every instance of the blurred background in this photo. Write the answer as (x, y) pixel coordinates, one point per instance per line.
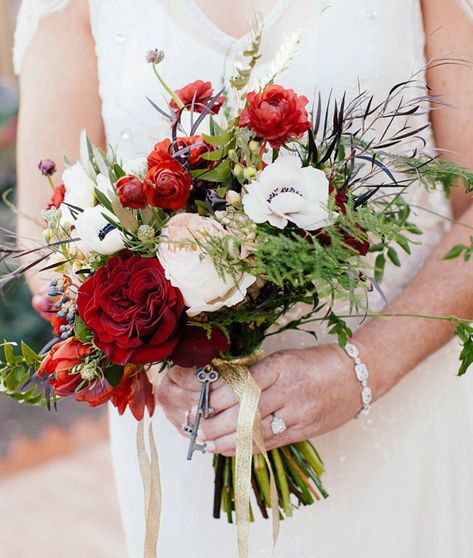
(54, 462)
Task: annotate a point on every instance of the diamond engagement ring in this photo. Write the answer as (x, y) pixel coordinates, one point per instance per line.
(278, 426)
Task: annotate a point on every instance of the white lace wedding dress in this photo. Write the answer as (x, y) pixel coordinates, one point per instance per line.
(401, 481)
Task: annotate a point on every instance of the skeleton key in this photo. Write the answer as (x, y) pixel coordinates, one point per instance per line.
(206, 377)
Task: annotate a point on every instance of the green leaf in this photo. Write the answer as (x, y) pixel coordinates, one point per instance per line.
(455, 252)
(220, 140)
(8, 351)
(81, 331)
(464, 331)
(30, 356)
(215, 155)
(103, 200)
(338, 327)
(113, 375)
(379, 266)
(218, 174)
(118, 171)
(392, 255)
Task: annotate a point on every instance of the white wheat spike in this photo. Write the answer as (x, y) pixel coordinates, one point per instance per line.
(283, 57)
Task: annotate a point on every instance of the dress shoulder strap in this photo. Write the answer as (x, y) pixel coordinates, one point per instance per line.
(30, 14)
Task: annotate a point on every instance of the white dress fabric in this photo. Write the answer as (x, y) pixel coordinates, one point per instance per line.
(401, 481)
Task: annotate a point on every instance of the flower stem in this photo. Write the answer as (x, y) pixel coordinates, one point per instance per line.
(172, 93)
(285, 451)
(261, 472)
(308, 451)
(281, 476)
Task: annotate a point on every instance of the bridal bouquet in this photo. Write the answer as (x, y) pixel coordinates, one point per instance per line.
(256, 205)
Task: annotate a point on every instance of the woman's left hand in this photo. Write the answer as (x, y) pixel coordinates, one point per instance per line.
(313, 390)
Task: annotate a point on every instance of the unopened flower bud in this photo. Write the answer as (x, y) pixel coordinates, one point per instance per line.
(155, 56)
(254, 146)
(47, 167)
(249, 173)
(238, 170)
(233, 198)
(232, 155)
(145, 232)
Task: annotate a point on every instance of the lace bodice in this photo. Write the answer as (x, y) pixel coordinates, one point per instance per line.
(346, 46)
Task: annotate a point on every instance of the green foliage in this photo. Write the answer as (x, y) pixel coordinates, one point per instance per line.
(16, 370)
(445, 172)
(460, 250)
(252, 55)
(464, 332)
(338, 327)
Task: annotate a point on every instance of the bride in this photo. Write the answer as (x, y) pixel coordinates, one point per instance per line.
(401, 479)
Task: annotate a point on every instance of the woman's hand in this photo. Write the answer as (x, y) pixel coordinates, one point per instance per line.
(314, 390)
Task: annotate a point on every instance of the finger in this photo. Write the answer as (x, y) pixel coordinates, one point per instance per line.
(184, 378)
(272, 399)
(222, 398)
(220, 425)
(226, 445)
(170, 394)
(267, 424)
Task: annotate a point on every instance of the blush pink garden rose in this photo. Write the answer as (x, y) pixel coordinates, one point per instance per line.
(192, 271)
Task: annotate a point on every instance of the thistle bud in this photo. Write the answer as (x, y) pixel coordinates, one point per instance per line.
(155, 56)
(47, 167)
(145, 232)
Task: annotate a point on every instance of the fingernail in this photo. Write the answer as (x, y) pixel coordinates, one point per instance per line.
(210, 447)
(201, 435)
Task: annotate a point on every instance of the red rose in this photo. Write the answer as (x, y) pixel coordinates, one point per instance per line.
(134, 391)
(132, 309)
(276, 115)
(130, 192)
(58, 197)
(167, 185)
(199, 93)
(161, 151)
(195, 348)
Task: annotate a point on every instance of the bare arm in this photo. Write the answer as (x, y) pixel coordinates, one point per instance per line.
(441, 287)
(59, 98)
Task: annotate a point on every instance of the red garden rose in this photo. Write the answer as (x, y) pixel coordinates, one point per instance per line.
(57, 197)
(195, 348)
(130, 192)
(276, 115)
(167, 185)
(161, 151)
(132, 309)
(199, 93)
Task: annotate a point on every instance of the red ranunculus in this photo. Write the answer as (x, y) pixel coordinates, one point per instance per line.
(57, 197)
(167, 185)
(276, 115)
(161, 151)
(134, 391)
(199, 93)
(195, 348)
(130, 192)
(58, 366)
(132, 309)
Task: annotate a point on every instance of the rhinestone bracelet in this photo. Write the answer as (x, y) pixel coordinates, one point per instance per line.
(361, 371)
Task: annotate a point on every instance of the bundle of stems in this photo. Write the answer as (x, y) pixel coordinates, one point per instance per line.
(297, 469)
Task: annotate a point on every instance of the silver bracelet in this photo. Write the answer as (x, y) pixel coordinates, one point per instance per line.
(361, 371)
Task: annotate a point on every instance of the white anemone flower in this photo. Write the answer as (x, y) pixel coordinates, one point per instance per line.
(96, 233)
(286, 191)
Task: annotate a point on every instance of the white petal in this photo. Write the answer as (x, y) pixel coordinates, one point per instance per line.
(89, 224)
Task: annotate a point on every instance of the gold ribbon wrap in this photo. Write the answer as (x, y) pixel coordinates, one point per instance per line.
(237, 373)
(149, 467)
